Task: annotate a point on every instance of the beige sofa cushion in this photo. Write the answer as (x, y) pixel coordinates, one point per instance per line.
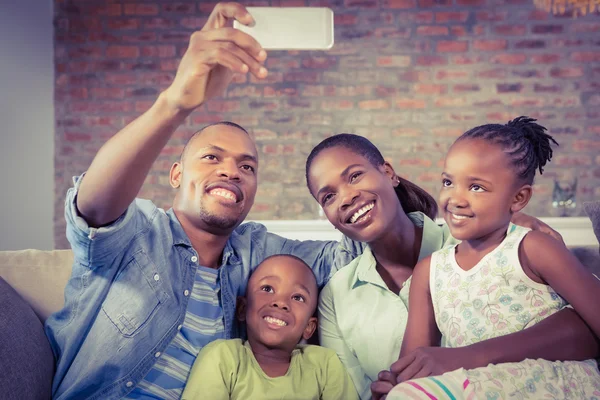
(38, 276)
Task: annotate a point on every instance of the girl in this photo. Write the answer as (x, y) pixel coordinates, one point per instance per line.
(501, 278)
(363, 309)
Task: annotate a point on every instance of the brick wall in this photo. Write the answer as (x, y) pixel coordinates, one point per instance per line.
(409, 74)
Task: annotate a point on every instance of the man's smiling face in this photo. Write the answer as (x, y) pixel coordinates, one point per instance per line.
(217, 179)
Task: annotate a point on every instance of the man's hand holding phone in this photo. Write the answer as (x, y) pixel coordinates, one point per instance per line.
(213, 55)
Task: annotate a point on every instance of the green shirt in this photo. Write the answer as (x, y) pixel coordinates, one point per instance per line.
(227, 369)
(361, 319)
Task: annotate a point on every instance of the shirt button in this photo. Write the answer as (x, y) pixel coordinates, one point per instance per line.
(157, 354)
(156, 277)
(129, 384)
(186, 293)
(179, 327)
(194, 258)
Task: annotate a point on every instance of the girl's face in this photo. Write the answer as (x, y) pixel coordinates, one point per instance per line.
(358, 198)
(480, 190)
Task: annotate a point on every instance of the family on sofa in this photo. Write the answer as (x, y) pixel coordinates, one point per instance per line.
(165, 304)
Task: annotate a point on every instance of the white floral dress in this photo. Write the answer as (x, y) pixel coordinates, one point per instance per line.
(496, 298)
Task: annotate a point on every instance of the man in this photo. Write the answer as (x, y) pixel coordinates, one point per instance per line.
(150, 288)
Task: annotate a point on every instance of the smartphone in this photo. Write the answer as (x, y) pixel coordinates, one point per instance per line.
(291, 28)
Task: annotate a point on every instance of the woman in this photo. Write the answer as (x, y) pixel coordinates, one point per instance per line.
(363, 309)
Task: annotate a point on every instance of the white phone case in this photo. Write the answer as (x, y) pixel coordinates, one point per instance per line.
(291, 28)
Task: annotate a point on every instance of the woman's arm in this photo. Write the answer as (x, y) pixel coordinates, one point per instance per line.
(331, 337)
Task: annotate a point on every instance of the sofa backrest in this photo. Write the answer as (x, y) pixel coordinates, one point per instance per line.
(38, 276)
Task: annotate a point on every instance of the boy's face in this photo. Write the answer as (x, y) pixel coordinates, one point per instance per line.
(281, 299)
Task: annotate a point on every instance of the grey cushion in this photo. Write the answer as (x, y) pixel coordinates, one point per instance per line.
(592, 209)
(27, 360)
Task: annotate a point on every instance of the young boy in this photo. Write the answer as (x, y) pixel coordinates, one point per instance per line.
(278, 309)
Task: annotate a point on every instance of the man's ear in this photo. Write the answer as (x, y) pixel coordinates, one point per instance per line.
(240, 309)
(175, 175)
(521, 198)
(310, 328)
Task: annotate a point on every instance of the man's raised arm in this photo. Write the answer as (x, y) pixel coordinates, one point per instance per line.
(121, 165)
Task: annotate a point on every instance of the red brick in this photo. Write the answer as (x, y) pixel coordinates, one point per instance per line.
(430, 89)
(585, 27)
(385, 91)
(224, 106)
(586, 145)
(269, 91)
(455, 74)
(410, 103)
(450, 102)
(85, 52)
(567, 72)
(547, 29)
(123, 51)
(194, 23)
(509, 88)
(108, 93)
(337, 105)
(301, 76)
(551, 88)
(406, 132)
(452, 46)
(158, 23)
(447, 132)
(363, 4)
(431, 60)
(434, 3)
(422, 17)
(345, 19)
(399, 3)
(585, 56)
(393, 61)
(415, 162)
(491, 16)
(141, 9)
(458, 31)
(470, 2)
(272, 77)
(530, 44)
(451, 16)
(373, 104)
(319, 62)
(527, 102)
(432, 30)
(466, 87)
(181, 8)
(243, 91)
(509, 59)
(510, 30)
(466, 60)
(123, 23)
(490, 45)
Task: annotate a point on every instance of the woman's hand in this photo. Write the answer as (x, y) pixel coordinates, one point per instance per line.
(527, 221)
(386, 380)
(431, 361)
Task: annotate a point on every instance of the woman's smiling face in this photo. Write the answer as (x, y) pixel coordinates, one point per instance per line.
(357, 197)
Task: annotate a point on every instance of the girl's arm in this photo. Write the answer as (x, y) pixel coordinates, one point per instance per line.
(560, 269)
(421, 330)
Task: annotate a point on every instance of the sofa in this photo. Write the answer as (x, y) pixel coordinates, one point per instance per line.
(31, 288)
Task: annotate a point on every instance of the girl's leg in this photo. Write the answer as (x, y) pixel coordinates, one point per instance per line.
(453, 385)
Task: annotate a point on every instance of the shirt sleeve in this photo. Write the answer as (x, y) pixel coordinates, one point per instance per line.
(331, 337)
(339, 384)
(100, 245)
(324, 257)
(211, 374)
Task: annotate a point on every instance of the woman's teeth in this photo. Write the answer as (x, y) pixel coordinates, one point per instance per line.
(362, 211)
(275, 321)
(459, 216)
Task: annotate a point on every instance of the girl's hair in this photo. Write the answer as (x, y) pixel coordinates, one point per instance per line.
(411, 197)
(525, 142)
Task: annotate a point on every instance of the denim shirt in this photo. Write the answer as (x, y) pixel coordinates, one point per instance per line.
(129, 289)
